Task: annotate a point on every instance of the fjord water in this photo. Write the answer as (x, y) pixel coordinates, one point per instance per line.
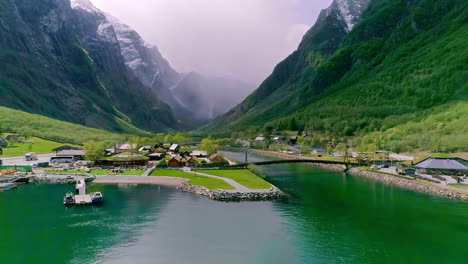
(329, 218)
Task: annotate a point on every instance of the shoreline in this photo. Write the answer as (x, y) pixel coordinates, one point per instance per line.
(178, 183)
(379, 177)
(408, 184)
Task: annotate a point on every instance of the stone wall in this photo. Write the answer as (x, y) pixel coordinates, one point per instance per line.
(61, 178)
(407, 184)
(221, 195)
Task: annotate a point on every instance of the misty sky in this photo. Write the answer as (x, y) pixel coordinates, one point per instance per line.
(243, 39)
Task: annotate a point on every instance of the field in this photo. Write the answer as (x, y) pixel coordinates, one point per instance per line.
(207, 182)
(243, 177)
(39, 145)
(36, 125)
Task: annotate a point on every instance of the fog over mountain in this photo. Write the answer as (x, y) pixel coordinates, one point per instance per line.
(239, 39)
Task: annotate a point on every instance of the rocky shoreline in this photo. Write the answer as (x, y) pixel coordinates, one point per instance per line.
(380, 177)
(220, 195)
(61, 178)
(407, 184)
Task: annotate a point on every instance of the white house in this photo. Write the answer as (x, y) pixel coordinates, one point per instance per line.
(319, 151)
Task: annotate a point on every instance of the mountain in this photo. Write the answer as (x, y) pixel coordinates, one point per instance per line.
(380, 71)
(194, 98)
(55, 63)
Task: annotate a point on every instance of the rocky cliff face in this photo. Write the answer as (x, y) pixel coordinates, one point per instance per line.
(55, 63)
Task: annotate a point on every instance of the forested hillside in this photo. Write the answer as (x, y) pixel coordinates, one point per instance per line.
(400, 74)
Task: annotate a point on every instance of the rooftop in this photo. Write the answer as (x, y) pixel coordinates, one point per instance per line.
(444, 164)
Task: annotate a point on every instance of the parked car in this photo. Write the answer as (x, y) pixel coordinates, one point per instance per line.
(30, 156)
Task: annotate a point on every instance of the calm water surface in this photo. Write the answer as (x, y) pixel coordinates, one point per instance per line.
(329, 218)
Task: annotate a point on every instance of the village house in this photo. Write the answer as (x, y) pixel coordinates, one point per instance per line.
(216, 158)
(293, 140)
(148, 149)
(156, 156)
(199, 154)
(77, 154)
(319, 151)
(175, 148)
(193, 161)
(175, 162)
(126, 147)
(447, 166)
(243, 143)
(64, 147)
(296, 150)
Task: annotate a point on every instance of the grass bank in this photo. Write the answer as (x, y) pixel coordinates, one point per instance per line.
(243, 177)
(207, 182)
(35, 144)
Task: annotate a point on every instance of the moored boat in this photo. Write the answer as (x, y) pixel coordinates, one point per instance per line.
(69, 199)
(97, 197)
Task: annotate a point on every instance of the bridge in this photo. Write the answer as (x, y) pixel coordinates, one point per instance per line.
(273, 162)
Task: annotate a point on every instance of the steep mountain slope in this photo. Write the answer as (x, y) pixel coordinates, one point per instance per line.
(194, 98)
(405, 60)
(53, 65)
(319, 43)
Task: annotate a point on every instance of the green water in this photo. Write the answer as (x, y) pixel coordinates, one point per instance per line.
(329, 218)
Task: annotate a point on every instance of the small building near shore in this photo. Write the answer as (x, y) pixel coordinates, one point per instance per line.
(146, 149)
(175, 148)
(77, 154)
(216, 158)
(193, 161)
(440, 166)
(199, 154)
(156, 156)
(175, 162)
(64, 147)
(319, 151)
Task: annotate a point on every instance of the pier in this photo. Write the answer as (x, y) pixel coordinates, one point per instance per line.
(82, 198)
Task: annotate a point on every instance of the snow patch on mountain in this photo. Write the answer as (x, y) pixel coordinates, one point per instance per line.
(86, 5)
(350, 10)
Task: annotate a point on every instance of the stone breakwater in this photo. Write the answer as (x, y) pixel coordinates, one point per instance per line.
(284, 156)
(221, 195)
(61, 178)
(407, 184)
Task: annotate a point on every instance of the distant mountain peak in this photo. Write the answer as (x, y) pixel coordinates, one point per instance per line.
(85, 5)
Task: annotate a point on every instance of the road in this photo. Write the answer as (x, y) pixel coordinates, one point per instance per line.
(22, 161)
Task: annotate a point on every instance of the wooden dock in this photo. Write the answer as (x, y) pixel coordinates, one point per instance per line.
(83, 199)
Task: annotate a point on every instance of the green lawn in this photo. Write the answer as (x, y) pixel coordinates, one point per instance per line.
(39, 145)
(459, 186)
(207, 182)
(243, 177)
